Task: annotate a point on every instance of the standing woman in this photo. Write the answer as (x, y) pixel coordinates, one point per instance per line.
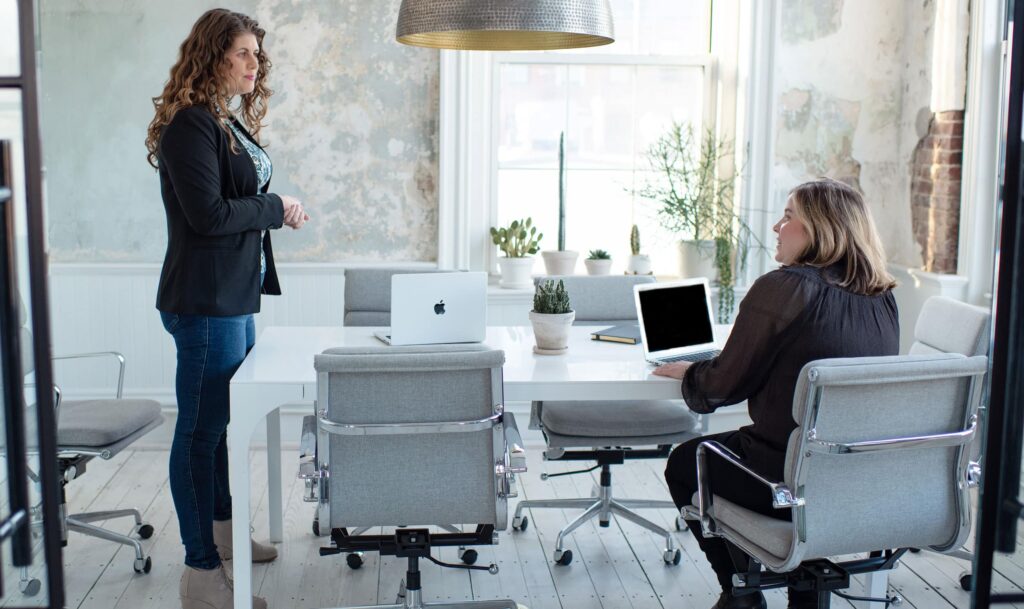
(832, 297)
(214, 178)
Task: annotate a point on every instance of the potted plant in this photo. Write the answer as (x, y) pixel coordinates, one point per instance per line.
(598, 262)
(517, 242)
(551, 317)
(695, 192)
(562, 261)
(639, 264)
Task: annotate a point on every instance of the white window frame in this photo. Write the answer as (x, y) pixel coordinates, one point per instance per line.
(740, 101)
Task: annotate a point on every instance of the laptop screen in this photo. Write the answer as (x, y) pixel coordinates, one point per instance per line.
(676, 317)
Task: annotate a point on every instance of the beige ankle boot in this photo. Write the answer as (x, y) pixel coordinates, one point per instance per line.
(209, 589)
(222, 537)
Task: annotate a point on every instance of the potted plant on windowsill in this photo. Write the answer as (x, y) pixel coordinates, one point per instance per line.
(598, 262)
(695, 191)
(561, 261)
(551, 317)
(639, 264)
(518, 242)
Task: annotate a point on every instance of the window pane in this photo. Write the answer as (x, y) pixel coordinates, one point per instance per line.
(667, 94)
(530, 193)
(9, 57)
(600, 134)
(531, 114)
(658, 27)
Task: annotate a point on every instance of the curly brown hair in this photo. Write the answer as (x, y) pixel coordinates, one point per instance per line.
(196, 79)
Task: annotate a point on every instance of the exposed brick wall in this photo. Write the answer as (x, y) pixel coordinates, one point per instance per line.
(935, 191)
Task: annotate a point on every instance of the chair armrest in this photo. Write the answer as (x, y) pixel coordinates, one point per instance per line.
(782, 495)
(514, 445)
(114, 354)
(309, 473)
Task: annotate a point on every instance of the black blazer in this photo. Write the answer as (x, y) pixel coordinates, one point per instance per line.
(215, 213)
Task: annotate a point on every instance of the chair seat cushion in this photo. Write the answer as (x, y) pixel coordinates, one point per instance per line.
(100, 423)
(771, 534)
(617, 418)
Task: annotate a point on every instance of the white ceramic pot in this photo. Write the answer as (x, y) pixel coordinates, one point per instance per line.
(515, 272)
(551, 331)
(697, 259)
(639, 264)
(560, 263)
(598, 267)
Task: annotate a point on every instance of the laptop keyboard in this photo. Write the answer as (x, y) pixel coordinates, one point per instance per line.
(690, 357)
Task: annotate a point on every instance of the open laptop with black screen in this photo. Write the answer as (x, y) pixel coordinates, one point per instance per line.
(675, 321)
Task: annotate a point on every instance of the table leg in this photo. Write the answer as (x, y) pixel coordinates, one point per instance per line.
(274, 476)
(238, 472)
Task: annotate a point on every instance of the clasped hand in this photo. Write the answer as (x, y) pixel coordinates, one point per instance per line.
(294, 215)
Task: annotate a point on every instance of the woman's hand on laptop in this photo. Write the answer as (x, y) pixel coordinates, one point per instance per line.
(674, 370)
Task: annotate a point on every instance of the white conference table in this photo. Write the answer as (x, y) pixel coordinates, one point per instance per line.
(279, 370)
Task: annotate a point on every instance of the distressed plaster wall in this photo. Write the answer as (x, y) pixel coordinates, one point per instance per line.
(850, 79)
(352, 128)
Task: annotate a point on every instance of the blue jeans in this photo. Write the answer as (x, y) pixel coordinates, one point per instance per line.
(210, 349)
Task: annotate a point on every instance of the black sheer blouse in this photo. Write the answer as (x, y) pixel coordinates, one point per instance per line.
(789, 317)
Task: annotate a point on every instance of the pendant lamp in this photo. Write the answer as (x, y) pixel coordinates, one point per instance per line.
(505, 25)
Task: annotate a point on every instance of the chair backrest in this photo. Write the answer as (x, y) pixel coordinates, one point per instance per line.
(601, 300)
(368, 295)
(950, 326)
(887, 493)
(393, 433)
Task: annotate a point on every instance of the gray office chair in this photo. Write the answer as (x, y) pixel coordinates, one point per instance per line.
(416, 436)
(951, 326)
(89, 429)
(368, 295)
(368, 303)
(879, 463)
(606, 431)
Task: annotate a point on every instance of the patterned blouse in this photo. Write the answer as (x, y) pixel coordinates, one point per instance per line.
(264, 169)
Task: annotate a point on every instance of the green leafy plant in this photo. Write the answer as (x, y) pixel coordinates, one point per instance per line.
(599, 255)
(634, 240)
(519, 240)
(695, 194)
(551, 298)
(561, 192)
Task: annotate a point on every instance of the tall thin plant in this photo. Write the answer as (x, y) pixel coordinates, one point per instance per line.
(696, 201)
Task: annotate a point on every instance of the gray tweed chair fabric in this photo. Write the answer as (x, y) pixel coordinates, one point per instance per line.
(368, 295)
(414, 436)
(607, 431)
(877, 462)
(97, 428)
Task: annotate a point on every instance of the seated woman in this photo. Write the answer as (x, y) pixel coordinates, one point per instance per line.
(832, 297)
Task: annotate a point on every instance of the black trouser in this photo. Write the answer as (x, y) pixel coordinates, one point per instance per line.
(729, 483)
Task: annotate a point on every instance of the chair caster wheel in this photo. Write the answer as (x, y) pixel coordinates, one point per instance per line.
(30, 587)
(966, 581)
(563, 557)
(679, 523)
(316, 526)
(354, 560)
(143, 565)
(519, 523)
(672, 557)
(468, 556)
(145, 531)
(896, 601)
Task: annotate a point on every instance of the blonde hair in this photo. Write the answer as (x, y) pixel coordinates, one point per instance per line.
(841, 230)
(196, 78)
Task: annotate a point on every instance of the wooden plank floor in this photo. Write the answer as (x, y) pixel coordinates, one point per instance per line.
(615, 568)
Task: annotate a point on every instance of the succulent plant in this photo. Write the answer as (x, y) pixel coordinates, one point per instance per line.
(551, 298)
(599, 255)
(634, 240)
(519, 240)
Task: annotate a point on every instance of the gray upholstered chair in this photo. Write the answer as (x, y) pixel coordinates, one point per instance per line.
(417, 435)
(951, 326)
(368, 295)
(879, 463)
(607, 432)
(97, 428)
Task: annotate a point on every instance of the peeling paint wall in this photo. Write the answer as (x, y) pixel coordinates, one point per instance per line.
(850, 79)
(352, 128)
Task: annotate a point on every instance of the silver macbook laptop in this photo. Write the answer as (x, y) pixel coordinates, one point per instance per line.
(434, 308)
(675, 321)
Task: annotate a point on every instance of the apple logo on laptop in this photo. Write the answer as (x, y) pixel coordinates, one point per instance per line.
(439, 308)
